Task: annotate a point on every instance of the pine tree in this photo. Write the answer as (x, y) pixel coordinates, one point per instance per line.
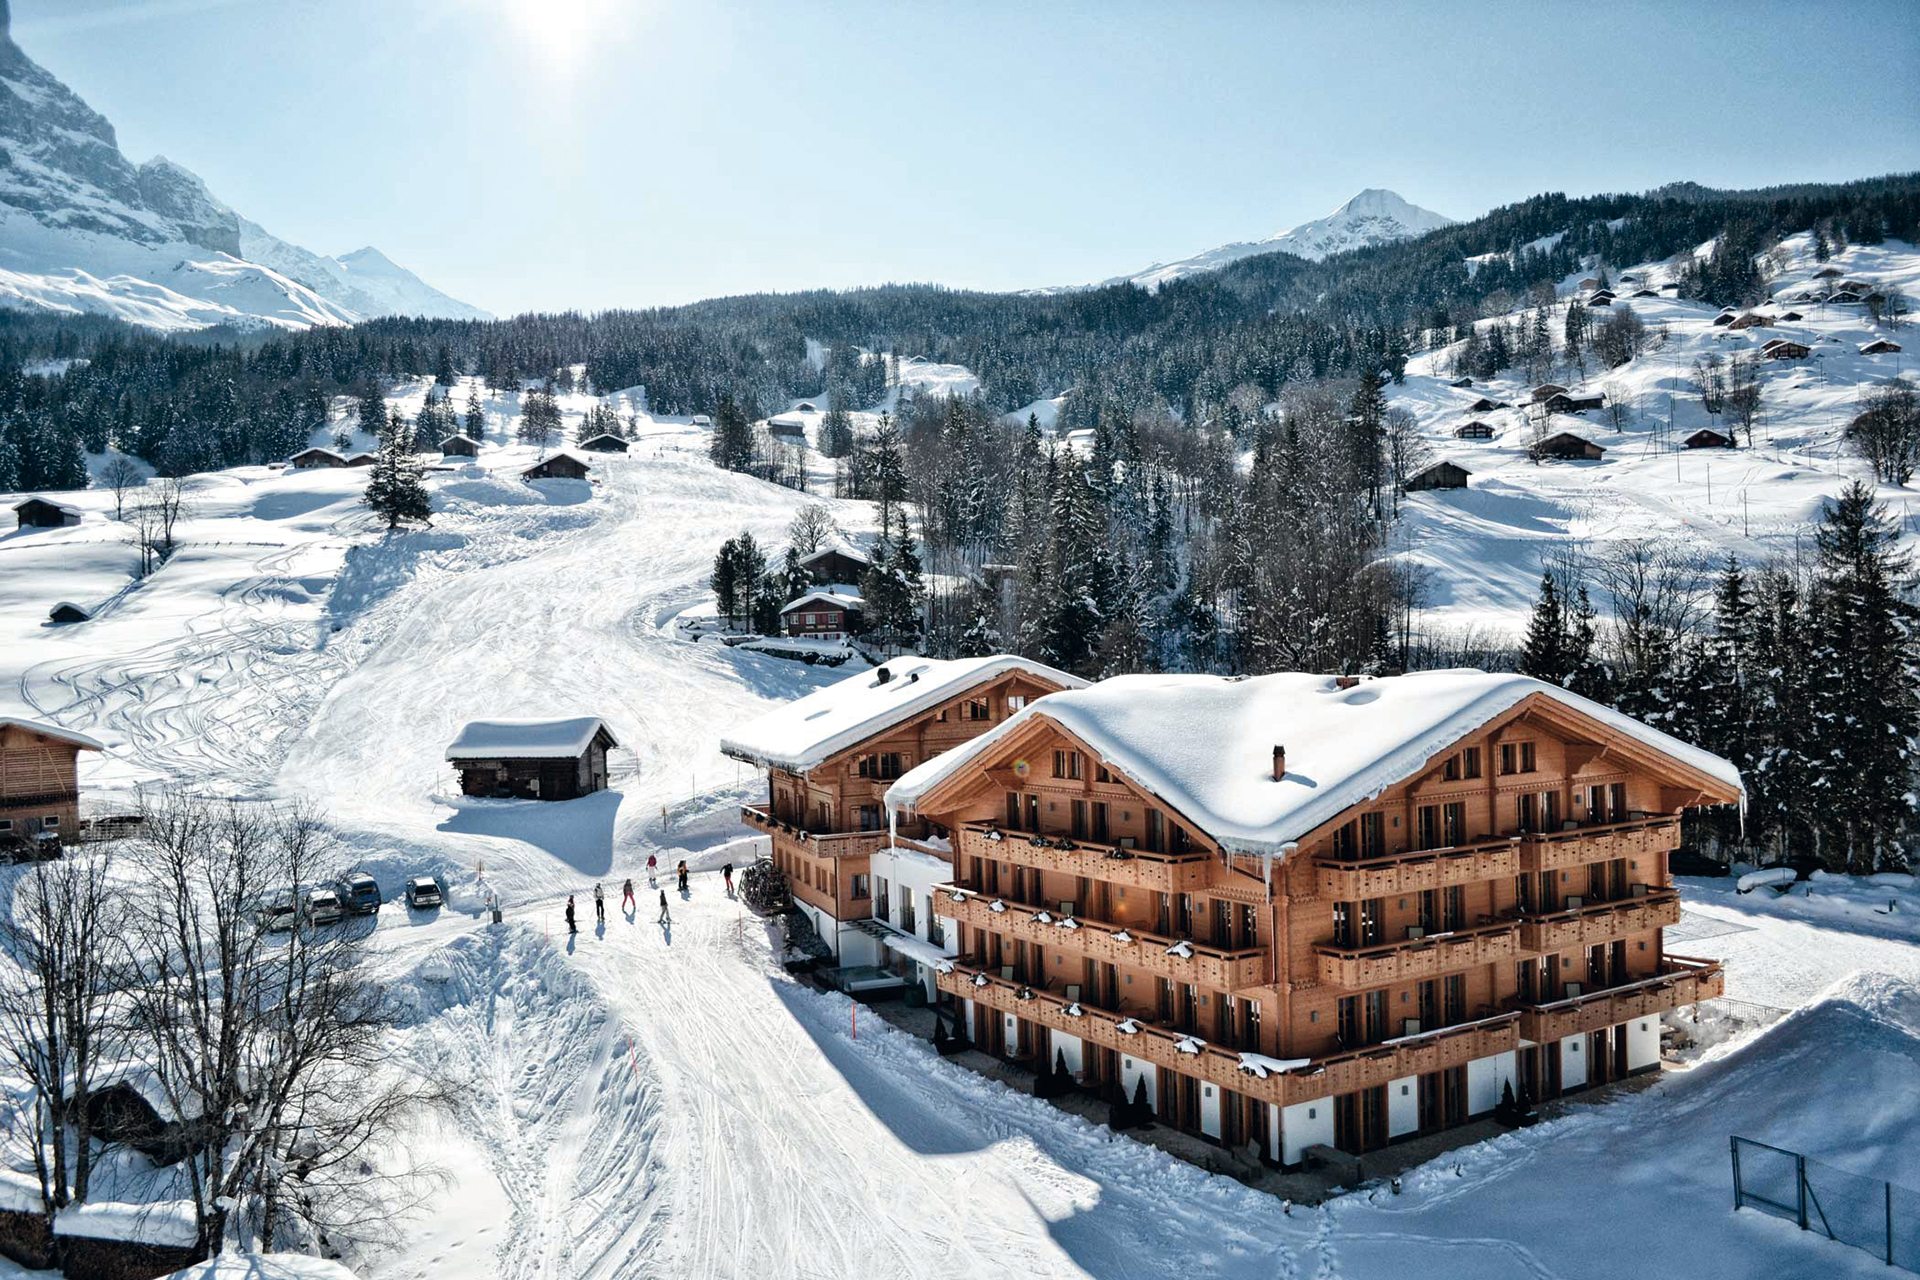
(731, 445)
(371, 411)
(395, 488)
(1544, 653)
(476, 416)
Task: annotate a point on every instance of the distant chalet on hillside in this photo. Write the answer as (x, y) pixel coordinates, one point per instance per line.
(67, 612)
(824, 615)
(1751, 320)
(459, 446)
(1567, 447)
(1441, 475)
(1565, 402)
(308, 458)
(605, 442)
(43, 513)
(791, 430)
(1473, 431)
(559, 759)
(561, 466)
(834, 564)
(1708, 438)
(361, 460)
(1786, 349)
(1484, 405)
(1880, 347)
(1546, 391)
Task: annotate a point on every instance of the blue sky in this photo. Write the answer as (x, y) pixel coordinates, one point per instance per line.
(545, 154)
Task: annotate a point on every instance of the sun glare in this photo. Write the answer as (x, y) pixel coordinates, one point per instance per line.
(561, 33)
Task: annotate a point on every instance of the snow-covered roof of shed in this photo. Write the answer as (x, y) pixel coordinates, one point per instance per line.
(839, 599)
(525, 739)
(1204, 744)
(52, 731)
(264, 1266)
(37, 501)
(808, 730)
(165, 1222)
(836, 549)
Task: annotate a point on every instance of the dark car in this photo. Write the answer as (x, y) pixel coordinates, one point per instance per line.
(361, 893)
(423, 892)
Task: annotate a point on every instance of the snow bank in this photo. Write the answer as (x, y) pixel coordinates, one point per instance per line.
(808, 730)
(1770, 876)
(164, 1222)
(1204, 743)
(264, 1266)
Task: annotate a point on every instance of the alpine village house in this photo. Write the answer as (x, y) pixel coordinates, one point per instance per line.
(1287, 912)
(39, 785)
(831, 755)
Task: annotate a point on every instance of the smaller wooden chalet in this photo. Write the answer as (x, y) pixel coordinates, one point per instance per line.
(67, 611)
(362, 459)
(39, 781)
(834, 564)
(129, 1106)
(1751, 320)
(1844, 295)
(459, 446)
(1786, 349)
(1484, 405)
(1473, 431)
(1726, 317)
(1566, 402)
(560, 466)
(700, 420)
(1791, 316)
(1461, 382)
(605, 442)
(43, 513)
(1601, 298)
(824, 615)
(1441, 475)
(1708, 438)
(1645, 293)
(560, 759)
(1828, 273)
(1880, 347)
(1546, 391)
(316, 457)
(791, 430)
(1567, 447)
(1588, 282)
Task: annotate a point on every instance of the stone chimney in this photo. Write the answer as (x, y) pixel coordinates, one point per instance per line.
(1279, 762)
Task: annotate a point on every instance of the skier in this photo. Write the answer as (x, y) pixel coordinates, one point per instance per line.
(626, 895)
(571, 927)
(599, 902)
(726, 873)
(683, 876)
(653, 865)
(666, 917)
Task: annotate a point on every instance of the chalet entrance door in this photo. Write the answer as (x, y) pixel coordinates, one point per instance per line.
(1360, 1120)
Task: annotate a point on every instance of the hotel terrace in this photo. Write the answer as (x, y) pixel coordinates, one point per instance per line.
(1312, 911)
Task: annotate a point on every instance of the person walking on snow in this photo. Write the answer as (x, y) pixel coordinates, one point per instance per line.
(571, 927)
(653, 865)
(666, 917)
(599, 902)
(683, 875)
(726, 873)
(626, 895)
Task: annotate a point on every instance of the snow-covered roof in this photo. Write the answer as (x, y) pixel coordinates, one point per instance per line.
(836, 550)
(808, 730)
(167, 1222)
(264, 1266)
(80, 740)
(317, 450)
(526, 739)
(48, 502)
(553, 457)
(832, 599)
(1204, 744)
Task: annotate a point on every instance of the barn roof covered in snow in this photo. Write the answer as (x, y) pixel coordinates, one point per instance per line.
(1204, 744)
(809, 730)
(80, 740)
(516, 739)
(829, 599)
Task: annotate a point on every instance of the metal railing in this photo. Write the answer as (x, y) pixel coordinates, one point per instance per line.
(1872, 1214)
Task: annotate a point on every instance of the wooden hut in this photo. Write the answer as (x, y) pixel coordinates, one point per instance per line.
(39, 782)
(460, 446)
(791, 430)
(1708, 438)
(1645, 293)
(1484, 405)
(1567, 447)
(1726, 317)
(1880, 347)
(1791, 316)
(1567, 402)
(560, 466)
(834, 564)
(1461, 382)
(1441, 475)
(316, 457)
(1786, 349)
(605, 442)
(67, 611)
(1547, 390)
(361, 459)
(560, 759)
(44, 513)
(1751, 320)
(1473, 431)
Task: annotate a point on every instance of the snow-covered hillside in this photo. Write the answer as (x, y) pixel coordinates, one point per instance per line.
(1375, 216)
(84, 229)
(1484, 546)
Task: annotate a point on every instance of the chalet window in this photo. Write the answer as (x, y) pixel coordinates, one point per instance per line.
(1450, 771)
(1249, 926)
(860, 887)
(6, 824)
(1550, 810)
(1456, 998)
(936, 932)
(1524, 811)
(1373, 835)
(1099, 829)
(1470, 763)
(1619, 792)
(1343, 934)
(1013, 810)
(1066, 764)
(1101, 773)
(1373, 922)
(1527, 764)
(1429, 826)
(871, 818)
(1250, 1024)
(51, 821)
(1453, 824)
(1181, 840)
(885, 765)
(1016, 702)
(979, 709)
(1346, 841)
(1156, 832)
(881, 902)
(1453, 906)
(1080, 819)
(1523, 894)
(1033, 812)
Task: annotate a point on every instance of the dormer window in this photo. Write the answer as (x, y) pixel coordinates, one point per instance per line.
(1067, 764)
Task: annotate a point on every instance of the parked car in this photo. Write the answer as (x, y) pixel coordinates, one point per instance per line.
(278, 914)
(361, 893)
(423, 892)
(324, 907)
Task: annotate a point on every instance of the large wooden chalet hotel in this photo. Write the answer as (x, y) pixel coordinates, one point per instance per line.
(1303, 910)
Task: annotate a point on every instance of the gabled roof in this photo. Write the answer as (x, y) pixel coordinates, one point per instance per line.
(316, 450)
(553, 457)
(1203, 744)
(527, 739)
(1444, 463)
(37, 501)
(823, 552)
(833, 599)
(592, 440)
(810, 730)
(80, 740)
(460, 437)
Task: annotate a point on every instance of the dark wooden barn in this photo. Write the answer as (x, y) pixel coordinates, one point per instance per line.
(532, 759)
(1441, 475)
(1567, 447)
(1708, 438)
(605, 442)
(67, 611)
(460, 446)
(561, 466)
(834, 564)
(317, 457)
(1473, 431)
(40, 513)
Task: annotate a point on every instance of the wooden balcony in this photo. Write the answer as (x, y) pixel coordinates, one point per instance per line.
(1303, 1081)
(1680, 983)
(1415, 958)
(39, 799)
(1636, 838)
(1183, 961)
(1419, 869)
(818, 844)
(1134, 868)
(1600, 922)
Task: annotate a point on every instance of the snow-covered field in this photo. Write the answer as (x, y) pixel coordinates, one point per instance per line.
(641, 1101)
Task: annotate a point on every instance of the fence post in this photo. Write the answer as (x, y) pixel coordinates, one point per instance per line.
(1800, 1178)
(1734, 1143)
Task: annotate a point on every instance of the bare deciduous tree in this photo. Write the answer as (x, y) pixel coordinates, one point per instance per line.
(811, 526)
(121, 475)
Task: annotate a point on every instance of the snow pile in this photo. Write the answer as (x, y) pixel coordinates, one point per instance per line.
(1770, 876)
(264, 1266)
(1204, 744)
(168, 1222)
(805, 732)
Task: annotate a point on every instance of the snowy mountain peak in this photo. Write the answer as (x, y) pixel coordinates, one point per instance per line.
(1374, 216)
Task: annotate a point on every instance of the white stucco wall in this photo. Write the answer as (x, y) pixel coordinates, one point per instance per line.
(1403, 1106)
(1303, 1125)
(1485, 1079)
(1573, 1062)
(1643, 1043)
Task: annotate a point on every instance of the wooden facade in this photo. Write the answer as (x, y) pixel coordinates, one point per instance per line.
(823, 615)
(1441, 475)
(561, 466)
(39, 784)
(459, 446)
(309, 458)
(1708, 438)
(834, 564)
(1495, 919)
(1568, 447)
(40, 513)
(505, 775)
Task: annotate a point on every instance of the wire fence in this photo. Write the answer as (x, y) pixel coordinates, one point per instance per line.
(1871, 1214)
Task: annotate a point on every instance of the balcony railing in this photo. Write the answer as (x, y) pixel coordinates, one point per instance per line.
(821, 844)
(39, 799)
(1636, 837)
(1680, 982)
(1416, 870)
(1267, 1079)
(1414, 958)
(1600, 921)
(1141, 868)
(1184, 961)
